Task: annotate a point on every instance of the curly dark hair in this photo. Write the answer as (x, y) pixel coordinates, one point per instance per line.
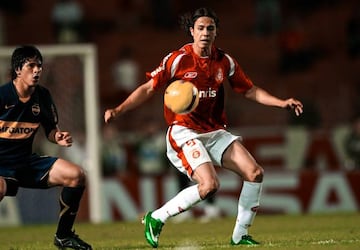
(188, 19)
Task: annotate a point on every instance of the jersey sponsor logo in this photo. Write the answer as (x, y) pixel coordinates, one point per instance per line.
(17, 130)
(190, 75)
(35, 109)
(209, 93)
(9, 106)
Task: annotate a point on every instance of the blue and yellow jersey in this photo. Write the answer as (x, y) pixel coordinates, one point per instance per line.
(20, 121)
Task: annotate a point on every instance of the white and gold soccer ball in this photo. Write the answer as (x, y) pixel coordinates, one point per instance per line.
(181, 97)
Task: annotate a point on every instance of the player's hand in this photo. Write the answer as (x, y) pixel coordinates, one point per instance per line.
(109, 115)
(295, 105)
(63, 138)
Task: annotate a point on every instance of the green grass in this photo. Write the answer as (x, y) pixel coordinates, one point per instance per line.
(280, 232)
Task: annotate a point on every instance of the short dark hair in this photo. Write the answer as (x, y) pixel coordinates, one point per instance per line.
(20, 55)
(188, 19)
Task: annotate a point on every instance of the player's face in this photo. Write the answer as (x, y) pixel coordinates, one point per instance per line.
(204, 33)
(30, 73)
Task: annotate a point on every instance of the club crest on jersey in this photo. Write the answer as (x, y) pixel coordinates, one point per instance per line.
(35, 109)
(190, 75)
(195, 154)
(219, 77)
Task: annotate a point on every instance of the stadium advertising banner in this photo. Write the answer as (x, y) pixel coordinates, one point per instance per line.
(304, 173)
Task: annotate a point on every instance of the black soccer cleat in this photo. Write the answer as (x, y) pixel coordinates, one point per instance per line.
(73, 241)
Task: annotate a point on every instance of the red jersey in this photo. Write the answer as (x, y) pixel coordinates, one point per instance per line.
(208, 74)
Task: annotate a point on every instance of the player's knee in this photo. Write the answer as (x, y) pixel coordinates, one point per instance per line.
(79, 178)
(209, 188)
(255, 175)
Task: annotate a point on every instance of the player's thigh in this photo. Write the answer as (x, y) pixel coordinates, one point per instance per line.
(238, 159)
(66, 173)
(189, 156)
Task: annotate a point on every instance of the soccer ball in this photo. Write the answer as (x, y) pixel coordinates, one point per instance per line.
(181, 97)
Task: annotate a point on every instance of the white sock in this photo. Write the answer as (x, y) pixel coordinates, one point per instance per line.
(247, 207)
(180, 203)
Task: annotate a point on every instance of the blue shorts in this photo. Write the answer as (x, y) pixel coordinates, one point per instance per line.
(31, 174)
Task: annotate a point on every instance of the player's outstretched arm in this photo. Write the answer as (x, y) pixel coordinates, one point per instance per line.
(136, 98)
(261, 96)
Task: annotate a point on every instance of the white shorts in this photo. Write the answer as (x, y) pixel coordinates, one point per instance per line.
(188, 149)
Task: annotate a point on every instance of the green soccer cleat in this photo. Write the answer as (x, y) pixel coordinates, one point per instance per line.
(245, 240)
(152, 229)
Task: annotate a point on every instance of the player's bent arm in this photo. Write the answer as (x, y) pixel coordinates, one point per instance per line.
(135, 99)
(51, 135)
(60, 137)
(262, 96)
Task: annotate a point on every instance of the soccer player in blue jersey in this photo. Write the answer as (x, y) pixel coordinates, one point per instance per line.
(24, 107)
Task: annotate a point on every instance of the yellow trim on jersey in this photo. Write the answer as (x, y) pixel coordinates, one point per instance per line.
(17, 130)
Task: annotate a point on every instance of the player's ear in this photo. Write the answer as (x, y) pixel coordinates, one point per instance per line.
(192, 31)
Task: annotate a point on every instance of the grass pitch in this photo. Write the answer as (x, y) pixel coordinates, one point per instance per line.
(278, 232)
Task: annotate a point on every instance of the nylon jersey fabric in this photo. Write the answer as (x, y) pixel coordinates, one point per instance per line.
(208, 74)
(20, 121)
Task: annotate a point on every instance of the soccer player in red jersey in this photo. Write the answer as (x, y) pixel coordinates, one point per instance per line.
(198, 141)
